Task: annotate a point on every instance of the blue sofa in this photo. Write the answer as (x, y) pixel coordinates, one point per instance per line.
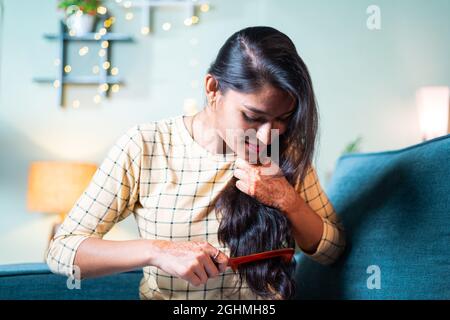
(395, 207)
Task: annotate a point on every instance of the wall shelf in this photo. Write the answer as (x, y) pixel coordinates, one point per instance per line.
(90, 37)
(103, 77)
(80, 80)
(147, 6)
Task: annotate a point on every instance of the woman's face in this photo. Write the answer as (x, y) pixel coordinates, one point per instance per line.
(249, 122)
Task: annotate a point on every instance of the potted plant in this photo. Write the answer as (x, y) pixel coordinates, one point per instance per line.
(80, 15)
(353, 146)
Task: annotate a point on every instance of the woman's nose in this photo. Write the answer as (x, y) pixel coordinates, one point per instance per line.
(266, 133)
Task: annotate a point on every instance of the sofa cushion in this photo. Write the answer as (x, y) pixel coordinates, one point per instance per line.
(395, 206)
(33, 281)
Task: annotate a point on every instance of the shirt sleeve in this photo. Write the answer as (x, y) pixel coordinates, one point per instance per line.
(332, 242)
(110, 197)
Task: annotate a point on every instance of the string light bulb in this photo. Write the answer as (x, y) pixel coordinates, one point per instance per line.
(83, 51)
(114, 71)
(95, 69)
(106, 65)
(97, 99)
(195, 19)
(115, 88)
(67, 68)
(104, 87)
(76, 104)
(101, 10)
(107, 23)
(188, 22)
(204, 7)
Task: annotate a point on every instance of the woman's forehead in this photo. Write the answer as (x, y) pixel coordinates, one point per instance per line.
(269, 101)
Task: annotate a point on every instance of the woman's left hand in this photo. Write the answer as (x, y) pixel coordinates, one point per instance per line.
(266, 183)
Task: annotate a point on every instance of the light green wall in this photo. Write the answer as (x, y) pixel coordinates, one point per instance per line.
(365, 83)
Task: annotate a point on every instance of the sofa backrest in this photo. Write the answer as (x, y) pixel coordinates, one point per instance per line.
(395, 207)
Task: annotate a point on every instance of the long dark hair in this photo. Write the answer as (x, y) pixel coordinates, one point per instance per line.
(249, 59)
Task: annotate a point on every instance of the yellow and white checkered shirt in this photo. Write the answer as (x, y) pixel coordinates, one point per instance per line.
(157, 172)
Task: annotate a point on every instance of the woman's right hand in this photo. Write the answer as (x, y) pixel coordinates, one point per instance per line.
(189, 260)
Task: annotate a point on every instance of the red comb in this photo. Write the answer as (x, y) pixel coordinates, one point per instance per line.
(285, 253)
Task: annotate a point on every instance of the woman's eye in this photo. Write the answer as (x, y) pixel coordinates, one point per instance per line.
(252, 120)
(248, 119)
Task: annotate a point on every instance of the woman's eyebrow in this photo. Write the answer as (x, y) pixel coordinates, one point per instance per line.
(255, 110)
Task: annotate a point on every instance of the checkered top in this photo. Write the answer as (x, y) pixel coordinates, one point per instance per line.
(168, 181)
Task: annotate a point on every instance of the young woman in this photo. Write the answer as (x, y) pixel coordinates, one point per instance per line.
(197, 193)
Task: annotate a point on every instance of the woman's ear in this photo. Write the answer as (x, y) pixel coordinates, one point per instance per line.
(211, 87)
